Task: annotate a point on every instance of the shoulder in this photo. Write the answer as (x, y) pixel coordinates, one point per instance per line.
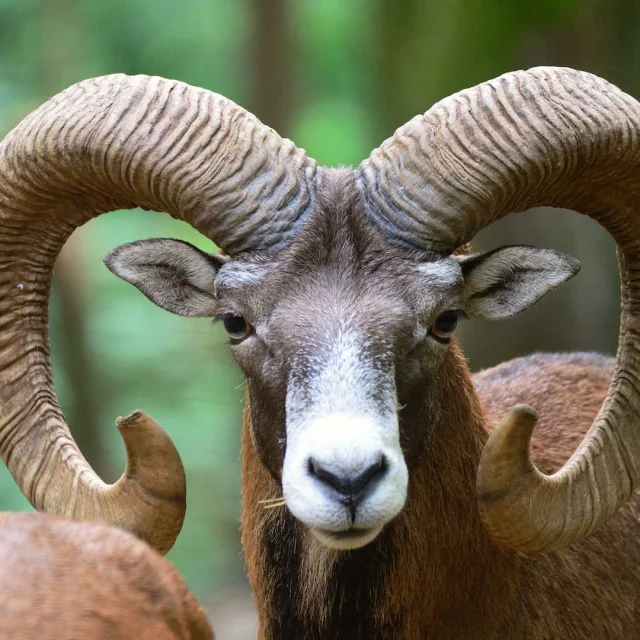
(567, 391)
(66, 578)
(590, 365)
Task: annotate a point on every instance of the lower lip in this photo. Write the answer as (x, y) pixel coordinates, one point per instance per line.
(349, 539)
(351, 534)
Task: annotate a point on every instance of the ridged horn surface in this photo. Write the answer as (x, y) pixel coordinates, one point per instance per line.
(544, 137)
(120, 142)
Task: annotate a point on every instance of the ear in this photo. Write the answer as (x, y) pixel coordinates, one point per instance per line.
(501, 283)
(173, 274)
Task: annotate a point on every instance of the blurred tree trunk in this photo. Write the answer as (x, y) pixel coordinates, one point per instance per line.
(60, 29)
(271, 47)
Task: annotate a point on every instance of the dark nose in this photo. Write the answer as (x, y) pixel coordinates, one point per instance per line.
(352, 488)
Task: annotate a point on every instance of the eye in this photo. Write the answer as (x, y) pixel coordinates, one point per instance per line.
(444, 326)
(236, 326)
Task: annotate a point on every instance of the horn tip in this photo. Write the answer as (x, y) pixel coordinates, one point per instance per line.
(524, 412)
(131, 420)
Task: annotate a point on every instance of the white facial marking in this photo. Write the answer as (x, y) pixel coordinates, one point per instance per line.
(236, 275)
(443, 273)
(342, 417)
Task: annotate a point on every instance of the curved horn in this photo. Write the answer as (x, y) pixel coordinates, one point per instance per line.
(547, 136)
(119, 142)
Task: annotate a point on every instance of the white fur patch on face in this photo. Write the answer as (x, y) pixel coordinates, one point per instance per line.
(442, 273)
(342, 418)
(236, 275)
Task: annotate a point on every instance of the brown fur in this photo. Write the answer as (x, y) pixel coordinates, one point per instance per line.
(64, 580)
(433, 572)
(448, 579)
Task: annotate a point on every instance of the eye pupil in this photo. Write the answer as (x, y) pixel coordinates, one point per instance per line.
(446, 322)
(236, 326)
(444, 325)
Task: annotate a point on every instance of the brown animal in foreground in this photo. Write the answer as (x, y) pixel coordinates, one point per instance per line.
(68, 580)
(340, 291)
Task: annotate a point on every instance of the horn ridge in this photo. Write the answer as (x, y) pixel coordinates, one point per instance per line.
(119, 142)
(544, 137)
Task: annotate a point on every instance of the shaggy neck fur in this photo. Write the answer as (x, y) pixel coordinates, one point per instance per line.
(307, 591)
(433, 573)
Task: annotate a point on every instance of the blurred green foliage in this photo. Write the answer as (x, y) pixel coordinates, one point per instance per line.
(354, 71)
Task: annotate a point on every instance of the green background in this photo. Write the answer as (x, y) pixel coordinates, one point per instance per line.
(337, 77)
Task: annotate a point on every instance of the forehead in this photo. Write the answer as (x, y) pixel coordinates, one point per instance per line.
(341, 266)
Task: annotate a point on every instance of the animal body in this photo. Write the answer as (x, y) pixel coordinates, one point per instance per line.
(406, 514)
(68, 580)
(63, 579)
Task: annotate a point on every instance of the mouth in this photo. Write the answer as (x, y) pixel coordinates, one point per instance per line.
(348, 539)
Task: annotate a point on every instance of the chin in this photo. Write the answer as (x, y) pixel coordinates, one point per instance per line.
(347, 540)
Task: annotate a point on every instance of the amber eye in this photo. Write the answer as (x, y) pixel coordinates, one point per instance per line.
(444, 326)
(237, 327)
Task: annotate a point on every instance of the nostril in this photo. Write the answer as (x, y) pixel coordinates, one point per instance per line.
(352, 486)
(335, 481)
(373, 472)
